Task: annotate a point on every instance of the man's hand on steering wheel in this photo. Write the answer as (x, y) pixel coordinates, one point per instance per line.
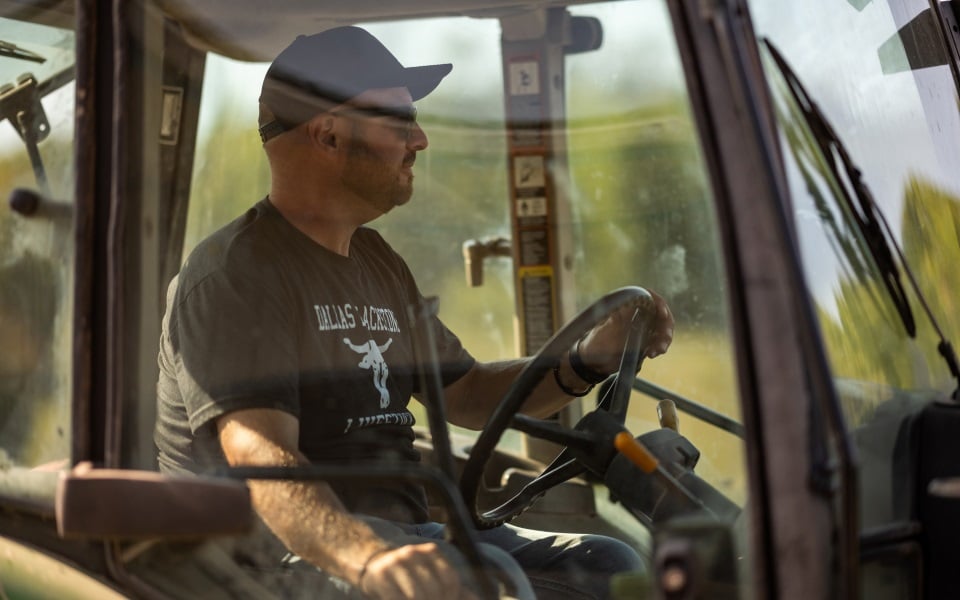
(601, 348)
(612, 335)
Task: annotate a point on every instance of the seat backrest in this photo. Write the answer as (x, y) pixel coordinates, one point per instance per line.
(928, 448)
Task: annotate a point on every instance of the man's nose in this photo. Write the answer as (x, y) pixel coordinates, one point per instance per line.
(417, 138)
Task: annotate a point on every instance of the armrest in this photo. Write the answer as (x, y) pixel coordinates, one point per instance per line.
(129, 504)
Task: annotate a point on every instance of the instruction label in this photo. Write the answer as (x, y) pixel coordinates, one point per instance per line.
(524, 78)
(536, 285)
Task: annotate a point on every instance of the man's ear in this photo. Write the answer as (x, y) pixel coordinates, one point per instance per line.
(323, 131)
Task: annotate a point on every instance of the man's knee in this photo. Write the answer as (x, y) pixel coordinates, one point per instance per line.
(607, 554)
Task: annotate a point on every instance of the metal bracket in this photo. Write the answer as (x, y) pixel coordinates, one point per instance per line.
(20, 103)
(475, 252)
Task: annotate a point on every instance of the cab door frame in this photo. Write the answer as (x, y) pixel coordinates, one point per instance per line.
(116, 228)
(803, 529)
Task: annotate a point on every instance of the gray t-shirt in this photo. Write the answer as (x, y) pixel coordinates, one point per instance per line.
(260, 316)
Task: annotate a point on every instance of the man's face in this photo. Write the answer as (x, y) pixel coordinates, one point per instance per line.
(381, 147)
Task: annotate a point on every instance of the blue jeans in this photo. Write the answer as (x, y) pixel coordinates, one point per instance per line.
(559, 565)
(535, 564)
(539, 564)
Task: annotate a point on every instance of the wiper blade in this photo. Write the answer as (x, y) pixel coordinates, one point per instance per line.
(872, 223)
(11, 50)
(861, 204)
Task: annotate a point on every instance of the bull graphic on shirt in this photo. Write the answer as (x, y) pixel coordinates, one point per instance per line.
(373, 360)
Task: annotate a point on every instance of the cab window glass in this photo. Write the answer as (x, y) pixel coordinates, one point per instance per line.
(643, 214)
(633, 206)
(879, 72)
(887, 90)
(36, 242)
(640, 206)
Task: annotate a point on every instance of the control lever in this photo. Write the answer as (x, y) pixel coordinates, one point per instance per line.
(638, 454)
(667, 415)
(673, 488)
(31, 203)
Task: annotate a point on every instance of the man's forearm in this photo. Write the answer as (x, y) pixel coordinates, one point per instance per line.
(472, 399)
(312, 523)
(308, 517)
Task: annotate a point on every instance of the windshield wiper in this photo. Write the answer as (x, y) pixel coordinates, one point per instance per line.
(11, 50)
(871, 222)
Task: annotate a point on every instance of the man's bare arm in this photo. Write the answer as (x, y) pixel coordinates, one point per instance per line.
(310, 520)
(471, 399)
(307, 516)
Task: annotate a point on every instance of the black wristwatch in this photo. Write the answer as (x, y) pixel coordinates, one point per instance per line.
(581, 369)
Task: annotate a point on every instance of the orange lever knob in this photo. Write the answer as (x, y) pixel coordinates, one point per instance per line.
(636, 452)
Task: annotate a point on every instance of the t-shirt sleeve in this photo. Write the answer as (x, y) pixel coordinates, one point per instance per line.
(453, 359)
(237, 343)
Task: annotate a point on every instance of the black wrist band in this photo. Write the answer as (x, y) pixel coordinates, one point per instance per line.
(581, 369)
(565, 389)
(363, 569)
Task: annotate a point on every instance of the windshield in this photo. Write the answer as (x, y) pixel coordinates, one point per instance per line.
(894, 116)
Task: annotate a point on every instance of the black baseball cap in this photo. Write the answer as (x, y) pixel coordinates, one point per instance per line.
(319, 71)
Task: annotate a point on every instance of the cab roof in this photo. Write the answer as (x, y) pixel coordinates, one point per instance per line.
(241, 30)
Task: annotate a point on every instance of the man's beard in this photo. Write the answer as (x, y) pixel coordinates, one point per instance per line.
(369, 177)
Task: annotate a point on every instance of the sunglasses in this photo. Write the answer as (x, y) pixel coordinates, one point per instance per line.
(407, 114)
(404, 117)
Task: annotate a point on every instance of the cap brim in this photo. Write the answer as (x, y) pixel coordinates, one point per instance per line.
(422, 80)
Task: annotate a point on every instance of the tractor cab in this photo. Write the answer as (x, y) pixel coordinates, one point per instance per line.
(785, 176)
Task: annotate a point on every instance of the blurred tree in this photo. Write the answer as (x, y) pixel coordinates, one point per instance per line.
(230, 174)
(863, 341)
(931, 244)
(646, 212)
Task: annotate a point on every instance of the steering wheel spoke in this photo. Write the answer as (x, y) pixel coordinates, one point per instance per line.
(630, 362)
(552, 431)
(532, 491)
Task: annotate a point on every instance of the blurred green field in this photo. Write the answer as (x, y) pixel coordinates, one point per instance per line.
(699, 366)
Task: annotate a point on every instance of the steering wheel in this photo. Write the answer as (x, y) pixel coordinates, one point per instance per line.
(587, 444)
